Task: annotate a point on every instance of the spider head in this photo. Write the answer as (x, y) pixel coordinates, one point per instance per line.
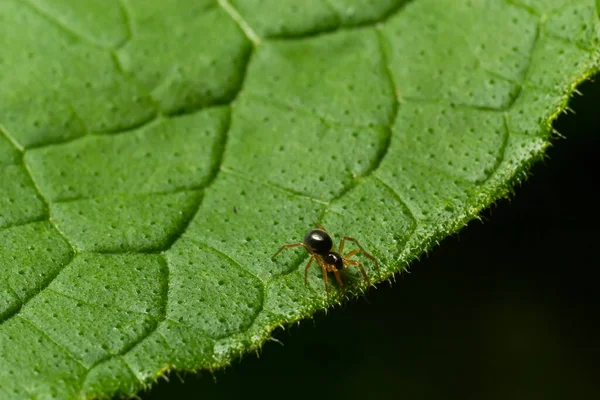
(334, 259)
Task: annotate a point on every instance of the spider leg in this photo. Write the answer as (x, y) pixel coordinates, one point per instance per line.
(320, 226)
(287, 246)
(362, 270)
(338, 278)
(369, 256)
(324, 269)
(312, 257)
(352, 253)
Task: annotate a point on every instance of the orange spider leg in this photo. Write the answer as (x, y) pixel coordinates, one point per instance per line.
(287, 246)
(362, 270)
(312, 257)
(338, 277)
(319, 226)
(352, 253)
(361, 250)
(324, 269)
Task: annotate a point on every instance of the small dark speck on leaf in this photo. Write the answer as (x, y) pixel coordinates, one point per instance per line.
(234, 210)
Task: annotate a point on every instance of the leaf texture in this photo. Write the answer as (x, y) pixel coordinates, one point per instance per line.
(154, 155)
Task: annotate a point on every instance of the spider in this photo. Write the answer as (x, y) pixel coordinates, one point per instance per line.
(320, 246)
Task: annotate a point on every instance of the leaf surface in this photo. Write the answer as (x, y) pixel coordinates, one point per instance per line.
(154, 155)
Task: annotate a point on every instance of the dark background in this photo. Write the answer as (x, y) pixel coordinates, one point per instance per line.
(507, 309)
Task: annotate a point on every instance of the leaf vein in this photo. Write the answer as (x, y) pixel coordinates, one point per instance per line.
(273, 186)
(239, 20)
(164, 297)
(303, 110)
(165, 270)
(233, 261)
(127, 22)
(42, 333)
(65, 28)
(96, 305)
(501, 152)
(43, 287)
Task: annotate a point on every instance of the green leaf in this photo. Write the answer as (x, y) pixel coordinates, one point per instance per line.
(154, 155)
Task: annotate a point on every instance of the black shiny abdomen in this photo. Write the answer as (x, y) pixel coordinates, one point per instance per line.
(334, 259)
(318, 241)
